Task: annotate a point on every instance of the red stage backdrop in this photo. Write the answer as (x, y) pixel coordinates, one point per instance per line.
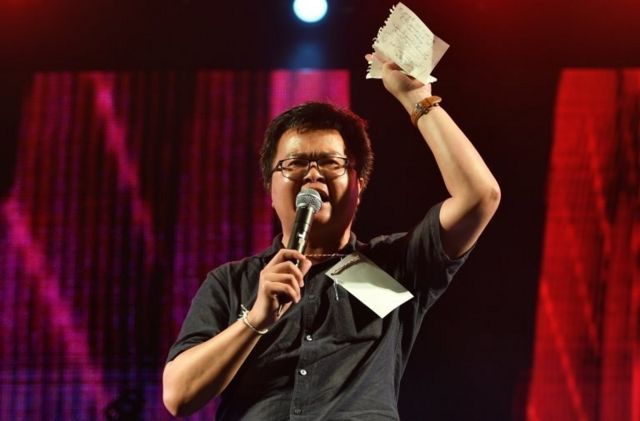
(129, 187)
(587, 347)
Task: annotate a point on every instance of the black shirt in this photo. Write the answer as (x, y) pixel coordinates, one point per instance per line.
(329, 357)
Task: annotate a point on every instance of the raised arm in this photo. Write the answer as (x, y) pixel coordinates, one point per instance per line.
(474, 192)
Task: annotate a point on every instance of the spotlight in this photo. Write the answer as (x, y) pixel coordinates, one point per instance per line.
(310, 11)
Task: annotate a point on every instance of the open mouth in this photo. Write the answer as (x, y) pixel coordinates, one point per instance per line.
(324, 196)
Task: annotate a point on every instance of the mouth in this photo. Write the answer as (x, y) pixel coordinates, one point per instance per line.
(323, 194)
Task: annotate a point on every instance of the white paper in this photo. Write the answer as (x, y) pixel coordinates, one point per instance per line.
(406, 40)
(374, 287)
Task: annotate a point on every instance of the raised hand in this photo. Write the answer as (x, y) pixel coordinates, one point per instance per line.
(403, 87)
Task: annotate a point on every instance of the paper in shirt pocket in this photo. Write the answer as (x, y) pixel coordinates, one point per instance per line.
(366, 281)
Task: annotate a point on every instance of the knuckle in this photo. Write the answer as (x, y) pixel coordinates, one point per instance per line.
(293, 267)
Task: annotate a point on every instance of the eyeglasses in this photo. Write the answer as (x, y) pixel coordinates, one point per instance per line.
(297, 168)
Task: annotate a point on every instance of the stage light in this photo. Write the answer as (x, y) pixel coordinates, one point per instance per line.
(310, 11)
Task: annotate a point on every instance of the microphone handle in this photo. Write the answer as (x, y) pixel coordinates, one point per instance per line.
(300, 231)
(298, 238)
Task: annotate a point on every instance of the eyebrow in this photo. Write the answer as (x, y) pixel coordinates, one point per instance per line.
(314, 155)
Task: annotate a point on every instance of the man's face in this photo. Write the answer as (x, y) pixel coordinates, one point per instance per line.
(340, 196)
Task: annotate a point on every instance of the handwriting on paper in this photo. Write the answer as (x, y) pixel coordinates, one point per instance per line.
(408, 42)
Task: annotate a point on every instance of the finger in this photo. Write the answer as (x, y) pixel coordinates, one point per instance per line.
(279, 290)
(391, 65)
(291, 268)
(375, 57)
(282, 278)
(305, 265)
(286, 254)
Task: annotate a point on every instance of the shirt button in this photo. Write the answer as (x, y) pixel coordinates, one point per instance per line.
(297, 411)
(308, 338)
(303, 372)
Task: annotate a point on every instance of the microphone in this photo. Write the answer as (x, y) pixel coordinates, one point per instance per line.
(308, 202)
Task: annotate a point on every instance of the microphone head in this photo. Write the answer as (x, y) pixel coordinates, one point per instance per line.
(309, 198)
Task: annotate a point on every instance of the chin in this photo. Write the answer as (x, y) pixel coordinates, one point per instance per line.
(321, 219)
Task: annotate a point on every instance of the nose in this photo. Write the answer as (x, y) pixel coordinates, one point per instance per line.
(313, 173)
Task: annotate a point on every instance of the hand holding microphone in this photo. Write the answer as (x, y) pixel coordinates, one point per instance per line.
(283, 277)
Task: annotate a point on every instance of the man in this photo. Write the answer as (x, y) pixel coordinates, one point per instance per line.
(304, 348)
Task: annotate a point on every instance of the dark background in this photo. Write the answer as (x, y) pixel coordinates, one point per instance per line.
(498, 81)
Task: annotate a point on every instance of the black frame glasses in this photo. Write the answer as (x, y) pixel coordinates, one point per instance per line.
(297, 168)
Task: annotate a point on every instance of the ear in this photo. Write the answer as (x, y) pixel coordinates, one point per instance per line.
(360, 188)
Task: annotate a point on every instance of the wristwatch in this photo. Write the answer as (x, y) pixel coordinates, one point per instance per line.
(423, 107)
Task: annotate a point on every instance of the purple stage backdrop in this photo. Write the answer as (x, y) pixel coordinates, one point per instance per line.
(129, 187)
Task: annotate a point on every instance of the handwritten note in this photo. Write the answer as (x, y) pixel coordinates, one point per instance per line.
(406, 40)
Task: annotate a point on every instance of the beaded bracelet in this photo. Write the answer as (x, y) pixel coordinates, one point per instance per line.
(243, 317)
